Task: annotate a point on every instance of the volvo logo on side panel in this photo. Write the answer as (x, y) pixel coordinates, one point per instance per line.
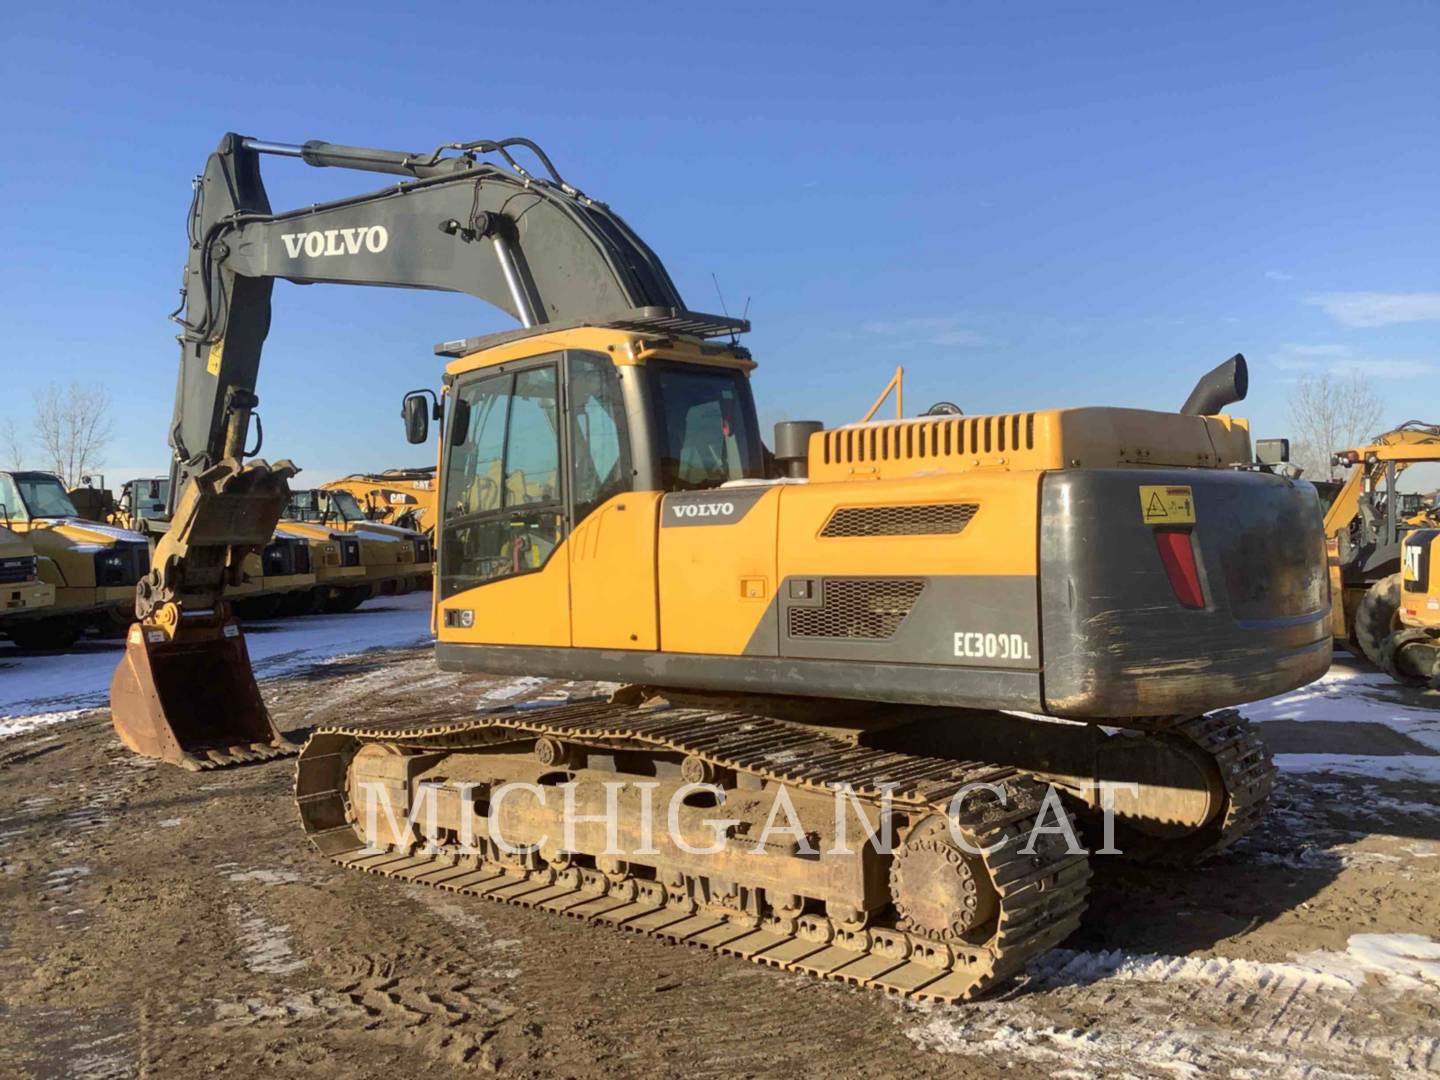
(723, 506)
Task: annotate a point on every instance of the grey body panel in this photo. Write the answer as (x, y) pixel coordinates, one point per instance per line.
(916, 684)
(1117, 642)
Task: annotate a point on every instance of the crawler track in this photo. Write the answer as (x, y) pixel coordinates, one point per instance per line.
(1247, 772)
(1040, 896)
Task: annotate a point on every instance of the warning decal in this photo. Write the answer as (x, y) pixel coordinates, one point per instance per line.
(1167, 505)
(217, 353)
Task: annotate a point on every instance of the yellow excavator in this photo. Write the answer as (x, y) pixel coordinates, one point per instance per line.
(1365, 524)
(941, 622)
(401, 497)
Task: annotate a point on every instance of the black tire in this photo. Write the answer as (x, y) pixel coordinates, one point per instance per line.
(347, 600)
(1390, 649)
(258, 608)
(115, 623)
(301, 602)
(46, 634)
(1377, 617)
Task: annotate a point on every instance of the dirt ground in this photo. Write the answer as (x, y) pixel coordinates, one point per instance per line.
(160, 923)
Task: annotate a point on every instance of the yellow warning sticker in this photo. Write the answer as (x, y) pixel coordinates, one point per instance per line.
(217, 352)
(1164, 505)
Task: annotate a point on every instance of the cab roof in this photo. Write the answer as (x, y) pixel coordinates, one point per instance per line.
(646, 320)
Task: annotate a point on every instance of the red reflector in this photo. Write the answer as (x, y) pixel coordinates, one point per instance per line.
(1179, 559)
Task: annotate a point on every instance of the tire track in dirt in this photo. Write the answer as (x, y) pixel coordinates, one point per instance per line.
(1318, 1016)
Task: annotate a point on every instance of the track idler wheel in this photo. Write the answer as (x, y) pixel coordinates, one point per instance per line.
(940, 890)
(1241, 774)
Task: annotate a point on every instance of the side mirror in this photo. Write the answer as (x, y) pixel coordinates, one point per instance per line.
(416, 412)
(1272, 451)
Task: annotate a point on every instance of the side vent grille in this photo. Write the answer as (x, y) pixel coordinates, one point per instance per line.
(923, 440)
(933, 519)
(868, 608)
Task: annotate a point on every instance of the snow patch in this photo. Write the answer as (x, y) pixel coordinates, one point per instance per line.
(38, 691)
(510, 690)
(265, 877)
(265, 945)
(1303, 1019)
(23, 725)
(1420, 767)
(1411, 961)
(1347, 696)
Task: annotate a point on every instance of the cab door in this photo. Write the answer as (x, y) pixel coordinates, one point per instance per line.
(612, 545)
(504, 576)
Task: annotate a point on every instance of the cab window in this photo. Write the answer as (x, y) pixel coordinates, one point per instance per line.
(703, 424)
(42, 496)
(11, 506)
(502, 479)
(344, 506)
(599, 449)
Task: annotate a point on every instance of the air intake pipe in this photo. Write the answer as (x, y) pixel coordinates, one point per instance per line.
(1219, 387)
(792, 446)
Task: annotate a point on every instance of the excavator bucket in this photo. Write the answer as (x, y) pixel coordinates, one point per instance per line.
(192, 700)
(185, 692)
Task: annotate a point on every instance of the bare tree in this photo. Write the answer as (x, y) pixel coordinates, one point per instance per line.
(1328, 413)
(72, 426)
(12, 445)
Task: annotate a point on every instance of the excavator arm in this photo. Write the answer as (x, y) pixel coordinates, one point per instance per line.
(534, 246)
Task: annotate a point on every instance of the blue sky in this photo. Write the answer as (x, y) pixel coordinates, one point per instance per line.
(1027, 205)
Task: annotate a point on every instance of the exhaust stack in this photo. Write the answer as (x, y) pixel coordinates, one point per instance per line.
(1221, 386)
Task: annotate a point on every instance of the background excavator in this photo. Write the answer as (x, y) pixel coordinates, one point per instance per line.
(849, 608)
(401, 497)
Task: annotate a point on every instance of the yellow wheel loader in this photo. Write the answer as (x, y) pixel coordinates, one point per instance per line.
(1411, 652)
(1365, 524)
(834, 631)
(403, 497)
(92, 568)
